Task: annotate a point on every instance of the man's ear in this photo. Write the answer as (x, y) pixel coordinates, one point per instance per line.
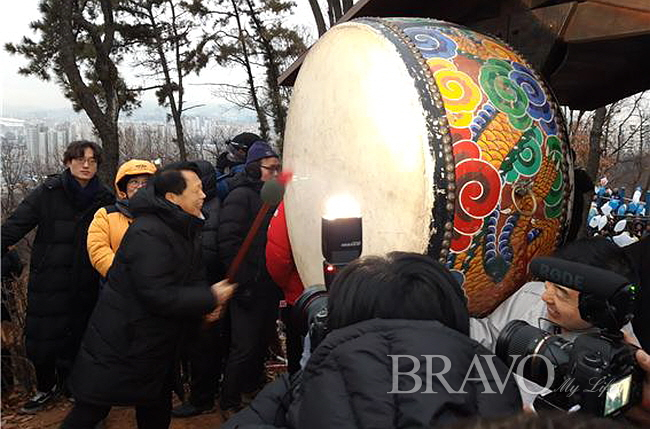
(171, 197)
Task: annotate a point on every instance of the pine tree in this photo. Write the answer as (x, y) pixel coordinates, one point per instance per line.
(81, 48)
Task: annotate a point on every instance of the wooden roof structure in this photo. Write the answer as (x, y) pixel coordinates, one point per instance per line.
(591, 52)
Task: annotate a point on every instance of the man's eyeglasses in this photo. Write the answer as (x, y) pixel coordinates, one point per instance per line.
(272, 168)
(82, 160)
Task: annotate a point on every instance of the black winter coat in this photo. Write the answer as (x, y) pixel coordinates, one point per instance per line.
(63, 285)
(210, 234)
(237, 215)
(347, 381)
(155, 291)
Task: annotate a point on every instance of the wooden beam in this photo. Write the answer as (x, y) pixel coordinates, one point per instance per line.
(593, 21)
(536, 33)
(640, 5)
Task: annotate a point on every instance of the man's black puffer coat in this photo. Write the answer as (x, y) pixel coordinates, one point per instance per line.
(347, 381)
(63, 284)
(237, 215)
(155, 290)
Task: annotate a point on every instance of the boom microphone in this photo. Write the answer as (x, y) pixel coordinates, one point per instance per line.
(584, 278)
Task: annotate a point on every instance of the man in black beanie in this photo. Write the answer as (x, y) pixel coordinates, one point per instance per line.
(232, 161)
(254, 307)
(235, 153)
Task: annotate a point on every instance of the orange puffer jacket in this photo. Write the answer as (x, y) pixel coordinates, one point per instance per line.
(111, 222)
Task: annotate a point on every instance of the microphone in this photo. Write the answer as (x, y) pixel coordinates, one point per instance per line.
(272, 193)
(583, 278)
(273, 190)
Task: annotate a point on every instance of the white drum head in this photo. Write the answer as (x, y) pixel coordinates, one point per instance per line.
(363, 133)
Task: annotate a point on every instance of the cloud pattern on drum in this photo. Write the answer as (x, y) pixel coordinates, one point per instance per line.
(504, 93)
(461, 94)
(526, 157)
(509, 159)
(431, 42)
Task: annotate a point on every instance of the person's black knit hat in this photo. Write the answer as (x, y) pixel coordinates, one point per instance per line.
(244, 140)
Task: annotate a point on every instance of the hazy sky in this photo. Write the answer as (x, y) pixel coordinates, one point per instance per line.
(18, 91)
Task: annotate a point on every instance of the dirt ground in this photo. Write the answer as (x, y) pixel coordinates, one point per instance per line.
(119, 418)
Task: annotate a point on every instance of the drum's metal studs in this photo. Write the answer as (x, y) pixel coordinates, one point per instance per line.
(448, 226)
(447, 235)
(450, 206)
(445, 243)
(448, 157)
(439, 104)
(451, 197)
(451, 186)
(446, 139)
(443, 121)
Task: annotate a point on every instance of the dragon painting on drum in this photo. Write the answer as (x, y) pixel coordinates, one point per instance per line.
(477, 126)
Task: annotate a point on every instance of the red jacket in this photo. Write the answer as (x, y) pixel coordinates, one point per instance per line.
(279, 259)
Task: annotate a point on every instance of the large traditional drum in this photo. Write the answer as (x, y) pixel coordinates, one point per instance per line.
(449, 141)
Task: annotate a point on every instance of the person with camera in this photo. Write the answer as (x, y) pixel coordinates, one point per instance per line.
(156, 290)
(638, 415)
(63, 285)
(554, 307)
(387, 317)
(254, 308)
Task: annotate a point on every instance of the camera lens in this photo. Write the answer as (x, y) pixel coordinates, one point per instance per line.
(309, 304)
(519, 339)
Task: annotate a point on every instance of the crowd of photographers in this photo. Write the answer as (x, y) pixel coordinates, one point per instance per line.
(124, 288)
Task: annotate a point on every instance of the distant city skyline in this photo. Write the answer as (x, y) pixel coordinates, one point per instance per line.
(42, 141)
(25, 96)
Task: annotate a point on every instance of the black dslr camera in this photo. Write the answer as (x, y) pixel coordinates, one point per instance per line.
(597, 373)
(310, 314)
(341, 240)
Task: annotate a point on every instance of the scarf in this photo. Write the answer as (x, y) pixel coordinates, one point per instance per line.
(83, 196)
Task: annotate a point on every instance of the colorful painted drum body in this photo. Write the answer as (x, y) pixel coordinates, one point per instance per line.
(449, 141)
